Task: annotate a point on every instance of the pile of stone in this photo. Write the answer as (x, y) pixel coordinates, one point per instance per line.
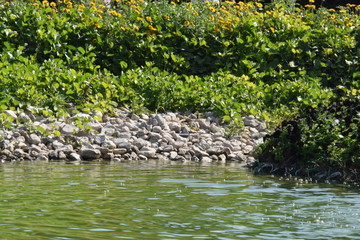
(128, 136)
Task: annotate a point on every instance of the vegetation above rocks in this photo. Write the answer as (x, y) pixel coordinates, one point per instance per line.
(277, 62)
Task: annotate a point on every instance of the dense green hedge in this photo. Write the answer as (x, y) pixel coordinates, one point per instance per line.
(274, 61)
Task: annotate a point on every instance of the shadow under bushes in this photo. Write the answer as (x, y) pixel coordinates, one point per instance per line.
(323, 143)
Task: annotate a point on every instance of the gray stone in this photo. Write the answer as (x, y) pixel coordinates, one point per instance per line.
(94, 125)
(99, 139)
(154, 137)
(206, 159)
(173, 155)
(74, 157)
(24, 117)
(175, 126)
(142, 157)
(160, 120)
(247, 149)
(19, 153)
(222, 157)
(90, 154)
(42, 157)
(120, 150)
(11, 114)
(168, 148)
(108, 130)
(140, 143)
(108, 144)
(61, 155)
(125, 135)
(203, 124)
(68, 129)
(147, 152)
(179, 144)
(5, 152)
(237, 156)
(157, 129)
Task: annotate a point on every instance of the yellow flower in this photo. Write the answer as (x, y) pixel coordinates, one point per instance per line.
(196, 13)
(187, 23)
(212, 9)
(122, 28)
(310, 6)
(272, 29)
(136, 28)
(102, 6)
(45, 3)
(152, 28)
(52, 4)
(173, 3)
(166, 17)
(259, 5)
(311, 1)
(342, 11)
(139, 19)
(331, 10)
(148, 19)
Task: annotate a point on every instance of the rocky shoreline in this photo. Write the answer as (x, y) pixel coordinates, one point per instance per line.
(128, 136)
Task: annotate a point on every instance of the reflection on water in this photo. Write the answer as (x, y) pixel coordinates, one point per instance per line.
(156, 200)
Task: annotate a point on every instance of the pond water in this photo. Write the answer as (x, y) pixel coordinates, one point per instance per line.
(153, 200)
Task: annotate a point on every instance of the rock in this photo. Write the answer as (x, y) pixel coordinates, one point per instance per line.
(42, 157)
(203, 124)
(160, 120)
(154, 137)
(19, 153)
(168, 148)
(68, 129)
(173, 155)
(237, 156)
(206, 159)
(108, 144)
(61, 155)
(247, 149)
(99, 139)
(11, 114)
(94, 125)
(74, 157)
(140, 143)
(175, 126)
(199, 153)
(157, 129)
(178, 144)
(119, 150)
(23, 117)
(147, 152)
(90, 154)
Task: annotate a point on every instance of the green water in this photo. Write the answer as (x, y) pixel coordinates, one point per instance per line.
(150, 200)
